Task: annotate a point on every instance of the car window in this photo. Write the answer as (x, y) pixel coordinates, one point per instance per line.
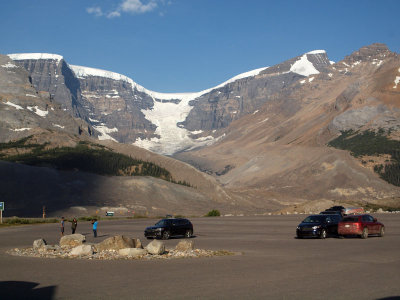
(161, 223)
(350, 219)
(365, 219)
(314, 219)
(371, 219)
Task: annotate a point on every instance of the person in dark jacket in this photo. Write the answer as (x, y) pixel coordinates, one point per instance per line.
(62, 226)
(74, 225)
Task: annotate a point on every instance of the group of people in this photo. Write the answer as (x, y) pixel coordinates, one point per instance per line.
(74, 224)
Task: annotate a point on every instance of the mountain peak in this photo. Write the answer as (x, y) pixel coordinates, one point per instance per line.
(370, 52)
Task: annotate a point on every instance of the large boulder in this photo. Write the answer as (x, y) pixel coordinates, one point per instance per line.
(37, 244)
(132, 252)
(138, 243)
(185, 245)
(156, 247)
(82, 250)
(115, 243)
(72, 240)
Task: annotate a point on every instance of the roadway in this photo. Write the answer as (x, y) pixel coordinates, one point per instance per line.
(270, 263)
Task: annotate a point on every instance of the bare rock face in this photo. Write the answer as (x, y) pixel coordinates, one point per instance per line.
(138, 243)
(368, 53)
(220, 107)
(156, 247)
(72, 240)
(115, 243)
(185, 245)
(82, 250)
(39, 243)
(132, 252)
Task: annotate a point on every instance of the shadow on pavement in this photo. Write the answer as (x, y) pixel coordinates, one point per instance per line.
(25, 290)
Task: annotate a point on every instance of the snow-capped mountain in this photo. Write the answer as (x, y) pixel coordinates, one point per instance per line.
(124, 111)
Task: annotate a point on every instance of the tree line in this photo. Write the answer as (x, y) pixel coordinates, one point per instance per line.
(374, 144)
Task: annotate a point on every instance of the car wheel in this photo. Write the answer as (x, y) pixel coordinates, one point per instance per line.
(364, 234)
(166, 235)
(322, 235)
(382, 231)
(188, 234)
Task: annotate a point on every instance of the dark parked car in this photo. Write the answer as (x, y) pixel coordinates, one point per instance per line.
(334, 210)
(319, 226)
(361, 225)
(166, 228)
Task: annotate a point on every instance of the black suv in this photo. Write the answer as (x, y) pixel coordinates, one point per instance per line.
(334, 210)
(166, 228)
(319, 226)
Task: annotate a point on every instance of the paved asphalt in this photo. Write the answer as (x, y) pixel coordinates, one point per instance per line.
(272, 264)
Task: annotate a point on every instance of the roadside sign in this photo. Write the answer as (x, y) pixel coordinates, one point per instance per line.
(1, 212)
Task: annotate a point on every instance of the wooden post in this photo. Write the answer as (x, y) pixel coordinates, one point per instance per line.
(44, 212)
(1, 212)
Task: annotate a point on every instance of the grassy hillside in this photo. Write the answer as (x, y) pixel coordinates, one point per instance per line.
(373, 144)
(85, 157)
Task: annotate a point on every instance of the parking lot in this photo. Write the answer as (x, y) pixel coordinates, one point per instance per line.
(270, 263)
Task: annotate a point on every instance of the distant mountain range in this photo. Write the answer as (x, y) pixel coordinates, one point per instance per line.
(121, 110)
(262, 137)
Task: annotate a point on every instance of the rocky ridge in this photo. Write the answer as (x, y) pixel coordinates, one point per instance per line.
(279, 153)
(121, 110)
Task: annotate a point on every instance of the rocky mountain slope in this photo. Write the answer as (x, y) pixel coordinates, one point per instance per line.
(280, 153)
(121, 110)
(260, 139)
(46, 124)
(25, 110)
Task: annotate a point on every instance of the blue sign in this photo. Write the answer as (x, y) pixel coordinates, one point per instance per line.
(1, 205)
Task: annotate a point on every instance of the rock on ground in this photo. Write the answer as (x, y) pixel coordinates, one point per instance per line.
(132, 252)
(156, 247)
(116, 242)
(185, 245)
(82, 250)
(72, 240)
(39, 243)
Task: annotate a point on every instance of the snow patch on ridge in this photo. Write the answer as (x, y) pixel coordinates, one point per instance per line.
(317, 52)
(27, 56)
(21, 129)
(304, 67)
(104, 130)
(38, 111)
(13, 105)
(9, 66)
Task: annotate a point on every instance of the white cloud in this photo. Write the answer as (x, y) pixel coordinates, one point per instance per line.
(95, 11)
(127, 6)
(114, 14)
(137, 7)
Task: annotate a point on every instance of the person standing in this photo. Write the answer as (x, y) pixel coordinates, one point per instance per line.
(62, 226)
(74, 225)
(94, 222)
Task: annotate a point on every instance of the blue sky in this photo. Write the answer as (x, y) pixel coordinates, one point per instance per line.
(191, 45)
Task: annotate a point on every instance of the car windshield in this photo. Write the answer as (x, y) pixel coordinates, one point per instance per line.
(161, 223)
(314, 219)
